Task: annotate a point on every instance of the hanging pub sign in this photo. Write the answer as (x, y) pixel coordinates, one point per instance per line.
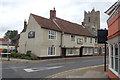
(79, 41)
(31, 34)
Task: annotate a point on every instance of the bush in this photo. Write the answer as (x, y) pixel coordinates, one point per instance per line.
(4, 50)
(34, 58)
(17, 55)
(28, 53)
(27, 57)
(13, 53)
(23, 56)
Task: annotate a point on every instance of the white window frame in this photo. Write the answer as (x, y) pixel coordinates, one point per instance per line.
(51, 34)
(90, 40)
(85, 49)
(96, 50)
(96, 40)
(85, 39)
(103, 50)
(113, 69)
(89, 51)
(72, 38)
(53, 51)
(71, 51)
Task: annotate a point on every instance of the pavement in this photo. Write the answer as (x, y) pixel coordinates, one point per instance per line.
(15, 60)
(82, 73)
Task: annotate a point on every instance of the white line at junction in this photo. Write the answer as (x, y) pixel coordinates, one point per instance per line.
(41, 68)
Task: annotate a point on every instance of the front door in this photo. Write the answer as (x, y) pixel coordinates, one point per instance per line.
(81, 50)
(63, 52)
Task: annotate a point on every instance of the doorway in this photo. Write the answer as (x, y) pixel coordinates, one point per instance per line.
(63, 52)
(81, 51)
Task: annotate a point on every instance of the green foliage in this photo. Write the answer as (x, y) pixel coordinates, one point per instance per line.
(10, 34)
(4, 50)
(28, 53)
(34, 58)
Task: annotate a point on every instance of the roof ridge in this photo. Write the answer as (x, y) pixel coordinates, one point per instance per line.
(69, 21)
(39, 16)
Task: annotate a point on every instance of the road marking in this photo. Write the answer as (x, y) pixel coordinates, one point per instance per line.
(60, 63)
(41, 68)
(14, 67)
(55, 75)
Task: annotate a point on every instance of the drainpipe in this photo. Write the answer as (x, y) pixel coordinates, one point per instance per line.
(61, 43)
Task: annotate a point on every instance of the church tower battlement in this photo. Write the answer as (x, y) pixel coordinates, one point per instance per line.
(92, 21)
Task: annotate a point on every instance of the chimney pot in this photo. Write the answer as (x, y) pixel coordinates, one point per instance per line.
(52, 14)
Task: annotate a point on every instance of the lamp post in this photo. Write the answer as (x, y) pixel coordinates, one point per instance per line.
(105, 53)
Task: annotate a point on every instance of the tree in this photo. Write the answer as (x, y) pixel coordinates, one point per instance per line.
(10, 34)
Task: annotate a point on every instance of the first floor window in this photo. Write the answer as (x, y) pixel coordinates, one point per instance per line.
(85, 39)
(96, 40)
(51, 50)
(73, 38)
(52, 34)
(90, 40)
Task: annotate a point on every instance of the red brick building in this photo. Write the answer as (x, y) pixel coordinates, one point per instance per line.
(114, 40)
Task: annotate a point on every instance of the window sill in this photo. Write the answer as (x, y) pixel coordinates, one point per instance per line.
(51, 55)
(116, 73)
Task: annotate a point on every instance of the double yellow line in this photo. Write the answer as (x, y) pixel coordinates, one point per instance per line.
(55, 75)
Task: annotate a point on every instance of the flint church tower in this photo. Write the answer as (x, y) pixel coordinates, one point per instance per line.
(92, 21)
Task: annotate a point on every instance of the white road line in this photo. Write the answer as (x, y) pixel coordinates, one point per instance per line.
(14, 67)
(41, 68)
(60, 63)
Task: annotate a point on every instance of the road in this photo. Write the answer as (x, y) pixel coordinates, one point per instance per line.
(43, 69)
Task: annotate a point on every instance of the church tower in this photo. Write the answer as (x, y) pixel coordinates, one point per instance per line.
(92, 21)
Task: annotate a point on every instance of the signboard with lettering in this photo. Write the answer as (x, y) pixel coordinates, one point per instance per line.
(31, 34)
(79, 41)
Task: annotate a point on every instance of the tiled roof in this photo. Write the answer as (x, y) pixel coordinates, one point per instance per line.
(65, 26)
(45, 23)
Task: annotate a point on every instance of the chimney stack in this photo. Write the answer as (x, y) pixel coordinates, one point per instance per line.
(83, 23)
(25, 23)
(52, 14)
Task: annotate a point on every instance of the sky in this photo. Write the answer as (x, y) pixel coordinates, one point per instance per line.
(14, 12)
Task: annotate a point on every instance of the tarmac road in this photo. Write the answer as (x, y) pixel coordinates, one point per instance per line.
(42, 69)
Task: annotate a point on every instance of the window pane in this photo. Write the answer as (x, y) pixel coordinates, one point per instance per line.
(119, 66)
(116, 52)
(95, 50)
(112, 62)
(72, 37)
(111, 50)
(116, 64)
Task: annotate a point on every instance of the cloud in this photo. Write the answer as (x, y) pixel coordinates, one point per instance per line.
(13, 12)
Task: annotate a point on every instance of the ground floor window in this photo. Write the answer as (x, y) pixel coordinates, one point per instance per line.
(89, 50)
(114, 58)
(71, 51)
(85, 50)
(95, 50)
(51, 50)
(103, 50)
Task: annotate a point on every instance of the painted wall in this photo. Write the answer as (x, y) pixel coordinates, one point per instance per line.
(39, 45)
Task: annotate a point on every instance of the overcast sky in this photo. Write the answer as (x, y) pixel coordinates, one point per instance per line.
(14, 12)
